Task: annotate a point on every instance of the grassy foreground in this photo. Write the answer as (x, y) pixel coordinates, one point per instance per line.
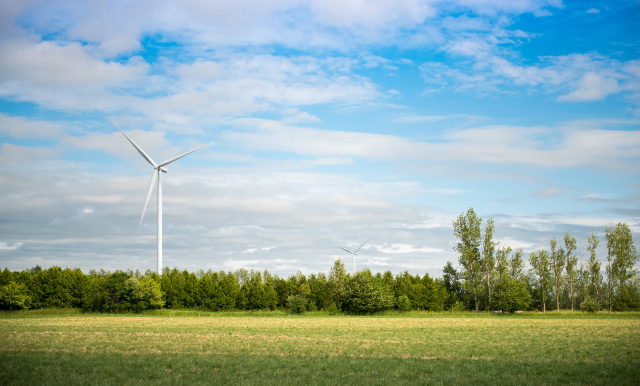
(272, 348)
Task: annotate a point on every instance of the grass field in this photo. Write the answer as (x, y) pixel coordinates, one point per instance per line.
(273, 348)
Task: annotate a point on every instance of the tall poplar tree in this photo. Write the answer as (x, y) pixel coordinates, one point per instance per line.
(595, 277)
(540, 264)
(608, 233)
(488, 260)
(625, 257)
(557, 265)
(572, 261)
(467, 230)
(517, 264)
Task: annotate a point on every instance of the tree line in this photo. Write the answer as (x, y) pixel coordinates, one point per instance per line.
(488, 277)
(493, 277)
(121, 291)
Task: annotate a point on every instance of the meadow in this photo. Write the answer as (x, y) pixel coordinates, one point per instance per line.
(168, 347)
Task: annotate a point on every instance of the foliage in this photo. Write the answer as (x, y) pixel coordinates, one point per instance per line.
(467, 230)
(590, 304)
(365, 294)
(488, 261)
(540, 264)
(457, 307)
(13, 296)
(557, 263)
(511, 295)
(403, 303)
(622, 259)
(296, 304)
(121, 292)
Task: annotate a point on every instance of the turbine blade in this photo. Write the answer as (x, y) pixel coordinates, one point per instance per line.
(361, 246)
(153, 180)
(344, 249)
(138, 148)
(167, 162)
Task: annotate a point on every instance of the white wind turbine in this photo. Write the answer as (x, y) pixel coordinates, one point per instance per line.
(353, 254)
(157, 168)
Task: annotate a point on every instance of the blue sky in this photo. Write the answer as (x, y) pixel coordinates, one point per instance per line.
(335, 122)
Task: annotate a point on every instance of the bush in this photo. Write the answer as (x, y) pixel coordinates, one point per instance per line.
(13, 296)
(511, 295)
(364, 294)
(331, 308)
(403, 303)
(590, 304)
(458, 307)
(296, 304)
(119, 292)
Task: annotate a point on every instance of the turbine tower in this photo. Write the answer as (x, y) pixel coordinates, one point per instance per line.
(353, 254)
(157, 168)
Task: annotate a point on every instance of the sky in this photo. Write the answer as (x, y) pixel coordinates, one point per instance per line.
(335, 122)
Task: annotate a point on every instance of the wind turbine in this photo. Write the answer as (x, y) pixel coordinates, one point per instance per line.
(157, 168)
(354, 253)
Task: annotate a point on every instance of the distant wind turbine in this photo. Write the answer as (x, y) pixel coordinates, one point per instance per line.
(157, 168)
(354, 253)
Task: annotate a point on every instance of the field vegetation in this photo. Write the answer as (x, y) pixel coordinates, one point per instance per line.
(194, 347)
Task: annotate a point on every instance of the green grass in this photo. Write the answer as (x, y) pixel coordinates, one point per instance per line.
(191, 347)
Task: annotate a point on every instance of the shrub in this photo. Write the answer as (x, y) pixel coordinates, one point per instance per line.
(296, 304)
(119, 292)
(331, 308)
(403, 303)
(13, 296)
(590, 304)
(458, 307)
(364, 294)
(511, 295)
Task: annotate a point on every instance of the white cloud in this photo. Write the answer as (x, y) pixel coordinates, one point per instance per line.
(19, 127)
(371, 15)
(592, 87)
(9, 246)
(491, 145)
(405, 248)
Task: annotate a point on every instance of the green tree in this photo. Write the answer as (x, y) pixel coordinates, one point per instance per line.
(337, 281)
(132, 295)
(502, 262)
(296, 304)
(557, 266)
(363, 294)
(517, 264)
(467, 230)
(625, 257)
(453, 285)
(511, 295)
(488, 260)
(270, 294)
(594, 267)
(151, 294)
(540, 265)
(14, 296)
(256, 299)
(610, 272)
(572, 261)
